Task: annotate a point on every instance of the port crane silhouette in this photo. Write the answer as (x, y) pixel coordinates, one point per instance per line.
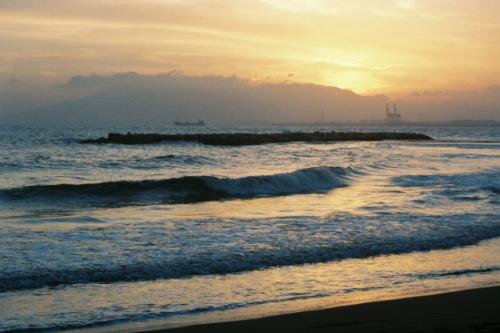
(392, 116)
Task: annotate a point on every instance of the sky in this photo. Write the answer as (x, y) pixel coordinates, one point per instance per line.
(368, 46)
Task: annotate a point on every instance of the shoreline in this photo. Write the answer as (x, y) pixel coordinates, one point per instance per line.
(470, 310)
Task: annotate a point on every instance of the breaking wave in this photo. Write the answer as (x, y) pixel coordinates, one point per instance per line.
(221, 260)
(187, 189)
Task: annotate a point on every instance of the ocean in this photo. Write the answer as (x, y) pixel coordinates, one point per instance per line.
(129, 237)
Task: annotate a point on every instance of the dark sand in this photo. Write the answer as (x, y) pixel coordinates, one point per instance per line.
(475, 310)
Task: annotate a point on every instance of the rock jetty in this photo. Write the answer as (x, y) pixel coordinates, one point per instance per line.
(245, 139)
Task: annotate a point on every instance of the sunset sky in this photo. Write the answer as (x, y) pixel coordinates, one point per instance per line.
(368, 46)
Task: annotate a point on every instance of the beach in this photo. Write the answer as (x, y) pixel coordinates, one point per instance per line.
(134, 237)
(249, 166)
(475, 310)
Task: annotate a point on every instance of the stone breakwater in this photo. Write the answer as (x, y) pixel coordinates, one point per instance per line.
(244, 139)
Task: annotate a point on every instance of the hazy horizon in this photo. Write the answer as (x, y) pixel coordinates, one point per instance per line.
(131, 97)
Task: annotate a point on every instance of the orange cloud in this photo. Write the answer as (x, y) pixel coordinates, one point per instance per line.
(369, 46)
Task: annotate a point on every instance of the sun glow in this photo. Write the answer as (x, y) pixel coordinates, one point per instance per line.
(367, 46)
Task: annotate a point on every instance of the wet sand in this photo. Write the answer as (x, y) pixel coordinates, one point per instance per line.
(476, 310)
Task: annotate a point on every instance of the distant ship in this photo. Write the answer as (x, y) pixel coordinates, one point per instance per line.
(392, 117)
(187, 123)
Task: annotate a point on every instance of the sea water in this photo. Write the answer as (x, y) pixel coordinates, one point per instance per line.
(132, 236)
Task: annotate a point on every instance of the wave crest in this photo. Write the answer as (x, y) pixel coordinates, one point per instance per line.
(187, 189)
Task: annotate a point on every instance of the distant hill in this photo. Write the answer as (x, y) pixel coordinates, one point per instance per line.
(134, 99)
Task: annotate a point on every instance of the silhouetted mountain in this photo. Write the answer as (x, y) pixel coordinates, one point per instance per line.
(134, 99)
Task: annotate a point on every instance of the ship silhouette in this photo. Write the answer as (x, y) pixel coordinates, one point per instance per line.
(187, 123)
